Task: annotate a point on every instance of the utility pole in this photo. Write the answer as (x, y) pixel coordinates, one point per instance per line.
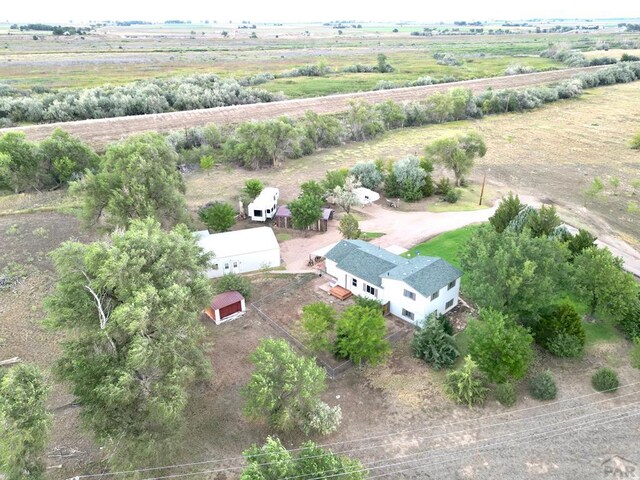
(484, 179)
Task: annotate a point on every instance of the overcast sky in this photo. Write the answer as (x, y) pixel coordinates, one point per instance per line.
(304, 11)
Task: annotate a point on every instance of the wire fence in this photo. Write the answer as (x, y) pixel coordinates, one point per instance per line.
(332, 371)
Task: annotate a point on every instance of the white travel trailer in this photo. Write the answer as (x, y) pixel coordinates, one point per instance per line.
(265, 205)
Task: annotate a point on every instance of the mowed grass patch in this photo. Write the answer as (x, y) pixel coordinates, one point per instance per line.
(446, 245)
(601, 331)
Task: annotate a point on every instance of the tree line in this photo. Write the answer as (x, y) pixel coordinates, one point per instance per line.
(42, 105)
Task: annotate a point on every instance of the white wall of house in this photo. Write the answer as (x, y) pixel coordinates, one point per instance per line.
(243, 263)
(393, 291)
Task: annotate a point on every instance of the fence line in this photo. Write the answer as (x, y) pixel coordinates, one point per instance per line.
(333, 372)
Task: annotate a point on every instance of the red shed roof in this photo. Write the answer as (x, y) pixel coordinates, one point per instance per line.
(225, 299)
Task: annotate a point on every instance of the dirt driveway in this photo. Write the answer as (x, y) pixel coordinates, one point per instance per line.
(407, 229)
(404, 229)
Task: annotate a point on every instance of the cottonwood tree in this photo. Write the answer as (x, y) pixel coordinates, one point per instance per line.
(130, 308)
(599, 278)
(457, 153)
(138, 178)
(273, 461)
(360, 333)
(305, 211)
(25, 423)
(323, 130)
(19, 162)
(500, 347)
(525, 272)
(285, 389)
(64, 157)
(218, 216)
(318, 321)
(364, 121)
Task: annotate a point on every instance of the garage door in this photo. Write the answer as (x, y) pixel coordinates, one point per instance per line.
(230, 310)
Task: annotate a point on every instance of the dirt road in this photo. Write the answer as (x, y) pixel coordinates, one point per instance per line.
(100, 132)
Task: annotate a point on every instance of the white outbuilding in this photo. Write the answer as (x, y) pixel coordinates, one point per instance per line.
(241, 251)
(265, 205)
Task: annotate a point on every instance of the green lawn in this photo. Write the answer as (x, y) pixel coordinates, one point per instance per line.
(446, 245)
(370, 235)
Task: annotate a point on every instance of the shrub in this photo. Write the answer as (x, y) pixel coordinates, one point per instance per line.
(349, 227)
(566, 346)
(231, 281)
(452, 196)
(629, 322)
(367, 174)
(218, 216)
(506, 394)
(434, 345)
(561, 331)
(323, 419)
(443, 186)
(517, 69)
(252, 189)
(635, 141)
(543, 386)
(466, 386)
(605, 380)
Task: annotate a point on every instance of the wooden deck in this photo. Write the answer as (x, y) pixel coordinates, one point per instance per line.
(340, 293)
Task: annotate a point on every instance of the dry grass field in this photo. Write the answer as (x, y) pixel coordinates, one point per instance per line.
(553, 153)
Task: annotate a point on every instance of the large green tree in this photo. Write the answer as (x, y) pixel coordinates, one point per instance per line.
(218, 216)
(305, 211)
(138, 178)
(500, 347)
(349, 227)
(598, 277)
(360, 335)
(24, 423)
(273, 461)
(130, 308)
(65, 157)
(457, 153)
(513, 272)
(318, 322)
(285, 389)
(19, 162)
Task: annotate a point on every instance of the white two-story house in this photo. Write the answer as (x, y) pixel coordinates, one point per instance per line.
(413, 287)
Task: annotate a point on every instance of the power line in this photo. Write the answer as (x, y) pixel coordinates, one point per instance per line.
(324, 476)
(528, 439)
(362, 439)
(500, 436)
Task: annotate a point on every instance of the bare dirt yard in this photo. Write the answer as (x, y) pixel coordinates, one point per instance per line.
(100, 132)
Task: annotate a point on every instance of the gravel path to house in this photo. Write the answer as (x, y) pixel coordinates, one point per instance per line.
(101, 132)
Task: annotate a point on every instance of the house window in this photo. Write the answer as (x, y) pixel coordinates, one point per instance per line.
(215, 266)
(435, 295)
(226, 266)
(235, 264)
(370, 290)
(451, 285)
(354, 282)
(407, 313)
(449, 304)
(409, 294)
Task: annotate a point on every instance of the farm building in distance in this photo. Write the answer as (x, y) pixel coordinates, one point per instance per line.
(225, 307)
(283, 219)
(240, 251)
(265, 205)
(413, 288)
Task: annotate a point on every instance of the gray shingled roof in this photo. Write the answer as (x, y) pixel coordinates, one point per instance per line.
(361, 259)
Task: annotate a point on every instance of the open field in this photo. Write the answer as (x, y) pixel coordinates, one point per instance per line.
(553, 154)
(100, 132)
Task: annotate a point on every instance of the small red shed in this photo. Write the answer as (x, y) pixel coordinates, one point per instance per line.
(226, 306)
